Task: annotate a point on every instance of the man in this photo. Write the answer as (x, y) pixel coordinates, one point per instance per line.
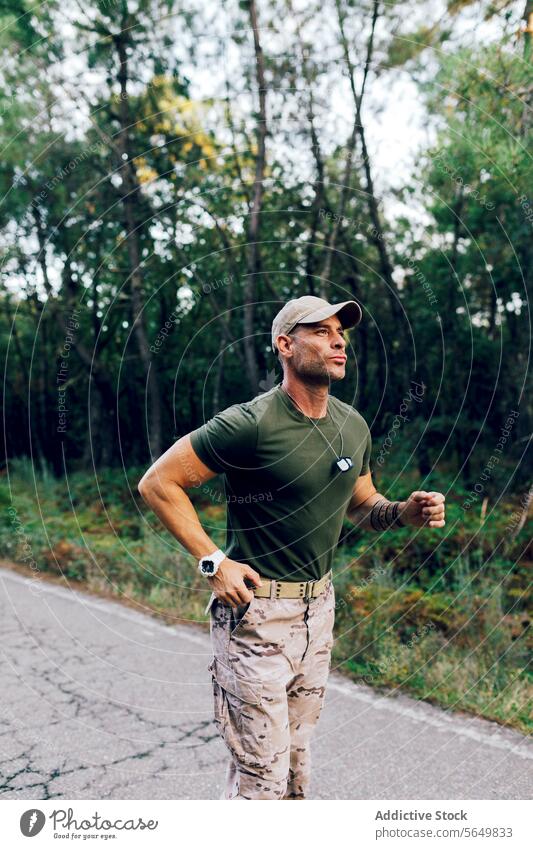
(295, 462)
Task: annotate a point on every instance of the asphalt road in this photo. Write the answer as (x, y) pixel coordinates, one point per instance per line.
(99, 701)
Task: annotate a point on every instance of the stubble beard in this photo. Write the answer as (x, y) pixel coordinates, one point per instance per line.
(314, 372)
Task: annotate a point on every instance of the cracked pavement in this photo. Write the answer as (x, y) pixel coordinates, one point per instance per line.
(99, 701)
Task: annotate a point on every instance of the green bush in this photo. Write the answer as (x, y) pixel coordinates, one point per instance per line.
(440, 614)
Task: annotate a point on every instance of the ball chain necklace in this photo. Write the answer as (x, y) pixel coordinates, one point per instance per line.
(342, 463)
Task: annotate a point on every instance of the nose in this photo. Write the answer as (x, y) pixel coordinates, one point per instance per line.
(339, 342)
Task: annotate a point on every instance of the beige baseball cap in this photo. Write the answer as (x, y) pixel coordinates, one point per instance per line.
(308, 309)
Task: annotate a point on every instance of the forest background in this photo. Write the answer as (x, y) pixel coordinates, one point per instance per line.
(171, 174)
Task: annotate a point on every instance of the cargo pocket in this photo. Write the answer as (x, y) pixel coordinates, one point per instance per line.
(240, 717)
(247, 690)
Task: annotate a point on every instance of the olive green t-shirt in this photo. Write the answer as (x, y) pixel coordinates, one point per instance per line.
(285, 496)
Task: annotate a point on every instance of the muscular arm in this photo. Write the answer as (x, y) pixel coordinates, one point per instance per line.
(163, 488)
(364, 497)
(422, 509)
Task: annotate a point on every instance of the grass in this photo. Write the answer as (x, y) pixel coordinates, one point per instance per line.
(439, 614)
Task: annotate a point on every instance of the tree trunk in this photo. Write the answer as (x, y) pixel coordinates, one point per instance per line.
(528, 31)
(253, 254)
(24, 396)
(133, 223)
(398, 358)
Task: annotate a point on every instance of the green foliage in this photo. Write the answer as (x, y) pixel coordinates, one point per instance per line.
(444, 616)
(461, 637)
(466, 278)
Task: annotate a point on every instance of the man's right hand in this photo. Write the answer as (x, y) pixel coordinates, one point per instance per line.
(228, 582)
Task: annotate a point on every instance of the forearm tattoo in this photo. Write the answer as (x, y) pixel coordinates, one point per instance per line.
(384, 514)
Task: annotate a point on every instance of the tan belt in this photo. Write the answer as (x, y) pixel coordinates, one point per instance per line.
(291, 589)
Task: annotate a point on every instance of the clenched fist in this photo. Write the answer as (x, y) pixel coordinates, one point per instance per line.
(423, 509)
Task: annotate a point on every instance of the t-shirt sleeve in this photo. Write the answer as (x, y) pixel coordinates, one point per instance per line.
(228, 440)
(365, 468)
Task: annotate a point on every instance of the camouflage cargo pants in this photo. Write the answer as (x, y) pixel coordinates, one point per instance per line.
(269, 671)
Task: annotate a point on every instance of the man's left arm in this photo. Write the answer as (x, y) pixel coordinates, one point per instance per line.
(370, 510)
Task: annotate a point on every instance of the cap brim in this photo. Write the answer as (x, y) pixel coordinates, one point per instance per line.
(349, 312)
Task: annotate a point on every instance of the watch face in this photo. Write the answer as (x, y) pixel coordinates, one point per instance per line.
(208, 567)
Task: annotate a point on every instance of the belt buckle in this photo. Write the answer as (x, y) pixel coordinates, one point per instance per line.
(309, 590)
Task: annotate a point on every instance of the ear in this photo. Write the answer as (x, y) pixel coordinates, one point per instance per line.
(283, 344)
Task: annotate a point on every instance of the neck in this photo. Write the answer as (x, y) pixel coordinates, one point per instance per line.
(312, 399)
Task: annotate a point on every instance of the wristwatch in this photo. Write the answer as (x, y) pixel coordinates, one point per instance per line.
(208, 565)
